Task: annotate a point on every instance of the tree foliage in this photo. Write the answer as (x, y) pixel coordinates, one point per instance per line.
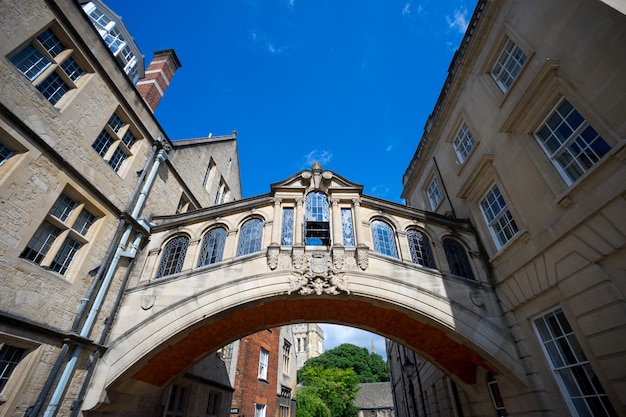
(327, 392)
(369, 367)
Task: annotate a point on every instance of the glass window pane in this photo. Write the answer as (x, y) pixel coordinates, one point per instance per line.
(30, 62)
(10, 356)
(383, 237)
(173, 256)
(457, 259)
(51, 43)
(40, 243)
(287, 227)
(316, 207)
(53, 88)
(65, 256)
(572, 144)
(63, 207)
(347, 228)
(419, 245)
(212, 248)
(72, 69)
(250, 237)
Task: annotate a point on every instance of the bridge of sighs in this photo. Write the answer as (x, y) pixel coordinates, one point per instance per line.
(315, 249)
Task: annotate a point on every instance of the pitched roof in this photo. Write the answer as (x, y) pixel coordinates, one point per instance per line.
(374, 395)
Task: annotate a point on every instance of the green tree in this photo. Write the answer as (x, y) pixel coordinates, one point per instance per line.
(369, 367)
(335, 388)
(309, 404)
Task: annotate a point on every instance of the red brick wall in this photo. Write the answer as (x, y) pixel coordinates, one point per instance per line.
(249, 389)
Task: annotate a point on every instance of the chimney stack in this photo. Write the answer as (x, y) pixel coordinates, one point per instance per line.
(158, 77)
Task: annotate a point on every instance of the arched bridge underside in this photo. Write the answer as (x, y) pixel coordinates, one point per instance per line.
(313, 250)
(166, 325)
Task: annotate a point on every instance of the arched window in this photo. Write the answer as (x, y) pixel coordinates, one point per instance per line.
(419, 245)
(250, 237)
(173, 256)
(317, 219)
(212, 247)
(384, 239)
(457, 259)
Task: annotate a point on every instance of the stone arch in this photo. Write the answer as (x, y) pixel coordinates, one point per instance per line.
(156, 344)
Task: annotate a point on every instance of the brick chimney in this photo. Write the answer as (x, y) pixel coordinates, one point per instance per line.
(158, 77)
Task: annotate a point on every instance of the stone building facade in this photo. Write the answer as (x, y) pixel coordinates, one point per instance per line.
(309, 341)
(527, 141)
(84, 165)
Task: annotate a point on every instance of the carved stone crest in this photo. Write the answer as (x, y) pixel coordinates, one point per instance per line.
(147, 301)
(477, 298)
(317, 277)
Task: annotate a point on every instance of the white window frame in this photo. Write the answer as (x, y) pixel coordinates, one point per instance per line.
(286, 356)
(433, 192)
(508, 65)
(207, 174)
(464, 143)
(569, 145)
(498, 217)
(260, 410)
(563, 369)
(264, 359)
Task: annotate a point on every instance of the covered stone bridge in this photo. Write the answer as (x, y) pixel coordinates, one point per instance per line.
(313, 250)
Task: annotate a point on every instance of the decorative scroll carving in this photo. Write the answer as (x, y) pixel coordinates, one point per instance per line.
(362, 254)
(317, 276)
(273, 253)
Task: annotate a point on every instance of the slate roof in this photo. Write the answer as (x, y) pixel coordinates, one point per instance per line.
(374, 395)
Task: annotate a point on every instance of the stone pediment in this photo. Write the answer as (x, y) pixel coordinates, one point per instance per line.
(315, 179)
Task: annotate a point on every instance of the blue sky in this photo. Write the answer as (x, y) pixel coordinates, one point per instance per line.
(349, 83)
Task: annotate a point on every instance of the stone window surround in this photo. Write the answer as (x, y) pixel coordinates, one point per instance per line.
(55, 66)
(67, 231)
(119, 136)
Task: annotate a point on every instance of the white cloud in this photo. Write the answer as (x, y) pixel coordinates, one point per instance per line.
(262, 39)
(459, 21)
(335, 335)
(406, 10)
(380, 190)
(291, 3)
(322, 157)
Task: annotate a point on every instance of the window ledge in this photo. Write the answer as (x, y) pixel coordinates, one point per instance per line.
(618, 151)
(521, 235)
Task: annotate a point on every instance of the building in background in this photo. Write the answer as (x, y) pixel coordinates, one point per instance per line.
(527, 139)
(265, 376)
(117, 37)
(84, 165)
(309, 342)
(374, 399)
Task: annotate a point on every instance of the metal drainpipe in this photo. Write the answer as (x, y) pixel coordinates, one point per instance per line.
(36, 408)
(445, 190)
(107, 328)
(64, 380)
